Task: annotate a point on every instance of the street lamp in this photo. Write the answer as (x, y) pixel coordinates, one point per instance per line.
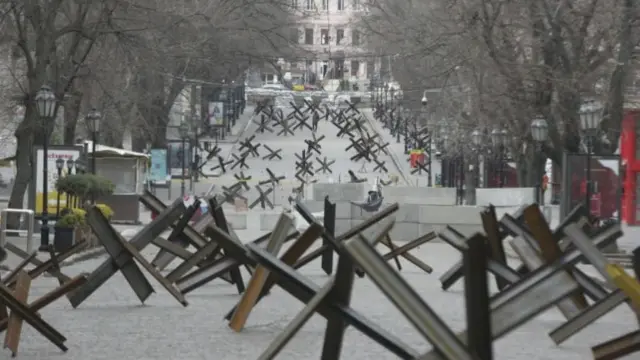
(539, 132)
(590, 117)
(476, 138)
(196, 156)
(93, 123)
(184, 135)
(195, 161)
(46, 105)
(386, 93)
(59, 167)
(445, 171)
(500, 140)
(70, 165)
(392, 91)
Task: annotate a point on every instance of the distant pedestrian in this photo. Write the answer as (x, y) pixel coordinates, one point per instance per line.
(315, 120)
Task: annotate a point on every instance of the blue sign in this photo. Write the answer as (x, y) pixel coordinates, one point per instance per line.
(158, 171)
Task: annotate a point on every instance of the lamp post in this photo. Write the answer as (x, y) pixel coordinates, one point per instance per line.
(476, 139)
(386, 94)
(590, 117)
(196, 156)
(70, 165)
(93, 124)
(392, 96)
(59, 167)
(500, 140)
(46, 105)
(539, 132)
(399, 121)
(184, 135)
(445, 171)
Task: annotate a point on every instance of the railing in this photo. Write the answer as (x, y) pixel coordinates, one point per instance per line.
(28, 232)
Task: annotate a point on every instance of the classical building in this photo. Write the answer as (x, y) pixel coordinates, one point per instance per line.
(331, 46)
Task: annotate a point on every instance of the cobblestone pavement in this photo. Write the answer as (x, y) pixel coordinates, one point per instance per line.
(113, 325)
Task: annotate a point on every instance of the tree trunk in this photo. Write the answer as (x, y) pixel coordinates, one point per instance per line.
(25, 137)
(530, 167)
(138, 142)
(71, 114)
(619, 79)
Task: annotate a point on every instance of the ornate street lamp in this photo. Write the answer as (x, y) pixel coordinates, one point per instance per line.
(93, 124)
(540, 133)
(46, 105)
(476, 138)
(184, 135)
(590, 117)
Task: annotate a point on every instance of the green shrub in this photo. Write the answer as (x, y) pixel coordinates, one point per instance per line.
(85, 186)
(76, 217)
(71, 218)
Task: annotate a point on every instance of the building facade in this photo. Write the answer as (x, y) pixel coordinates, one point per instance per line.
(331, 46)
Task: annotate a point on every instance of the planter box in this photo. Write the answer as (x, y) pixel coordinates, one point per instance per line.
(63, 238)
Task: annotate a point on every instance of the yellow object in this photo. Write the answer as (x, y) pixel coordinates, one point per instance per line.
(625, 282)
(106, 210)
(52, 199)
(298, 87)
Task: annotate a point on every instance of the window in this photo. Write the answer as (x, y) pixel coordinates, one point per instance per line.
(268, 78)
(125, 181)
(339, 36)
(294, 4)
(325, 4)
(370, 68)
(308, 5)
(355, 37)
(324, 36)
(355, 67)
(339, 71)
(294, 64)
(294, 36)
(340, 5)
(325, 66)
(308, 36)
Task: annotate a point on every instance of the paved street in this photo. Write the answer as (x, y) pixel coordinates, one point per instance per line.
(113, 325)
(332, 148)
(397, 149)
(226, 148)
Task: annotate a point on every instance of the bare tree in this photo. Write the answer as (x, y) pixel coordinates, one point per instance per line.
(133, 55)
(54, 39)
(517, 60)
